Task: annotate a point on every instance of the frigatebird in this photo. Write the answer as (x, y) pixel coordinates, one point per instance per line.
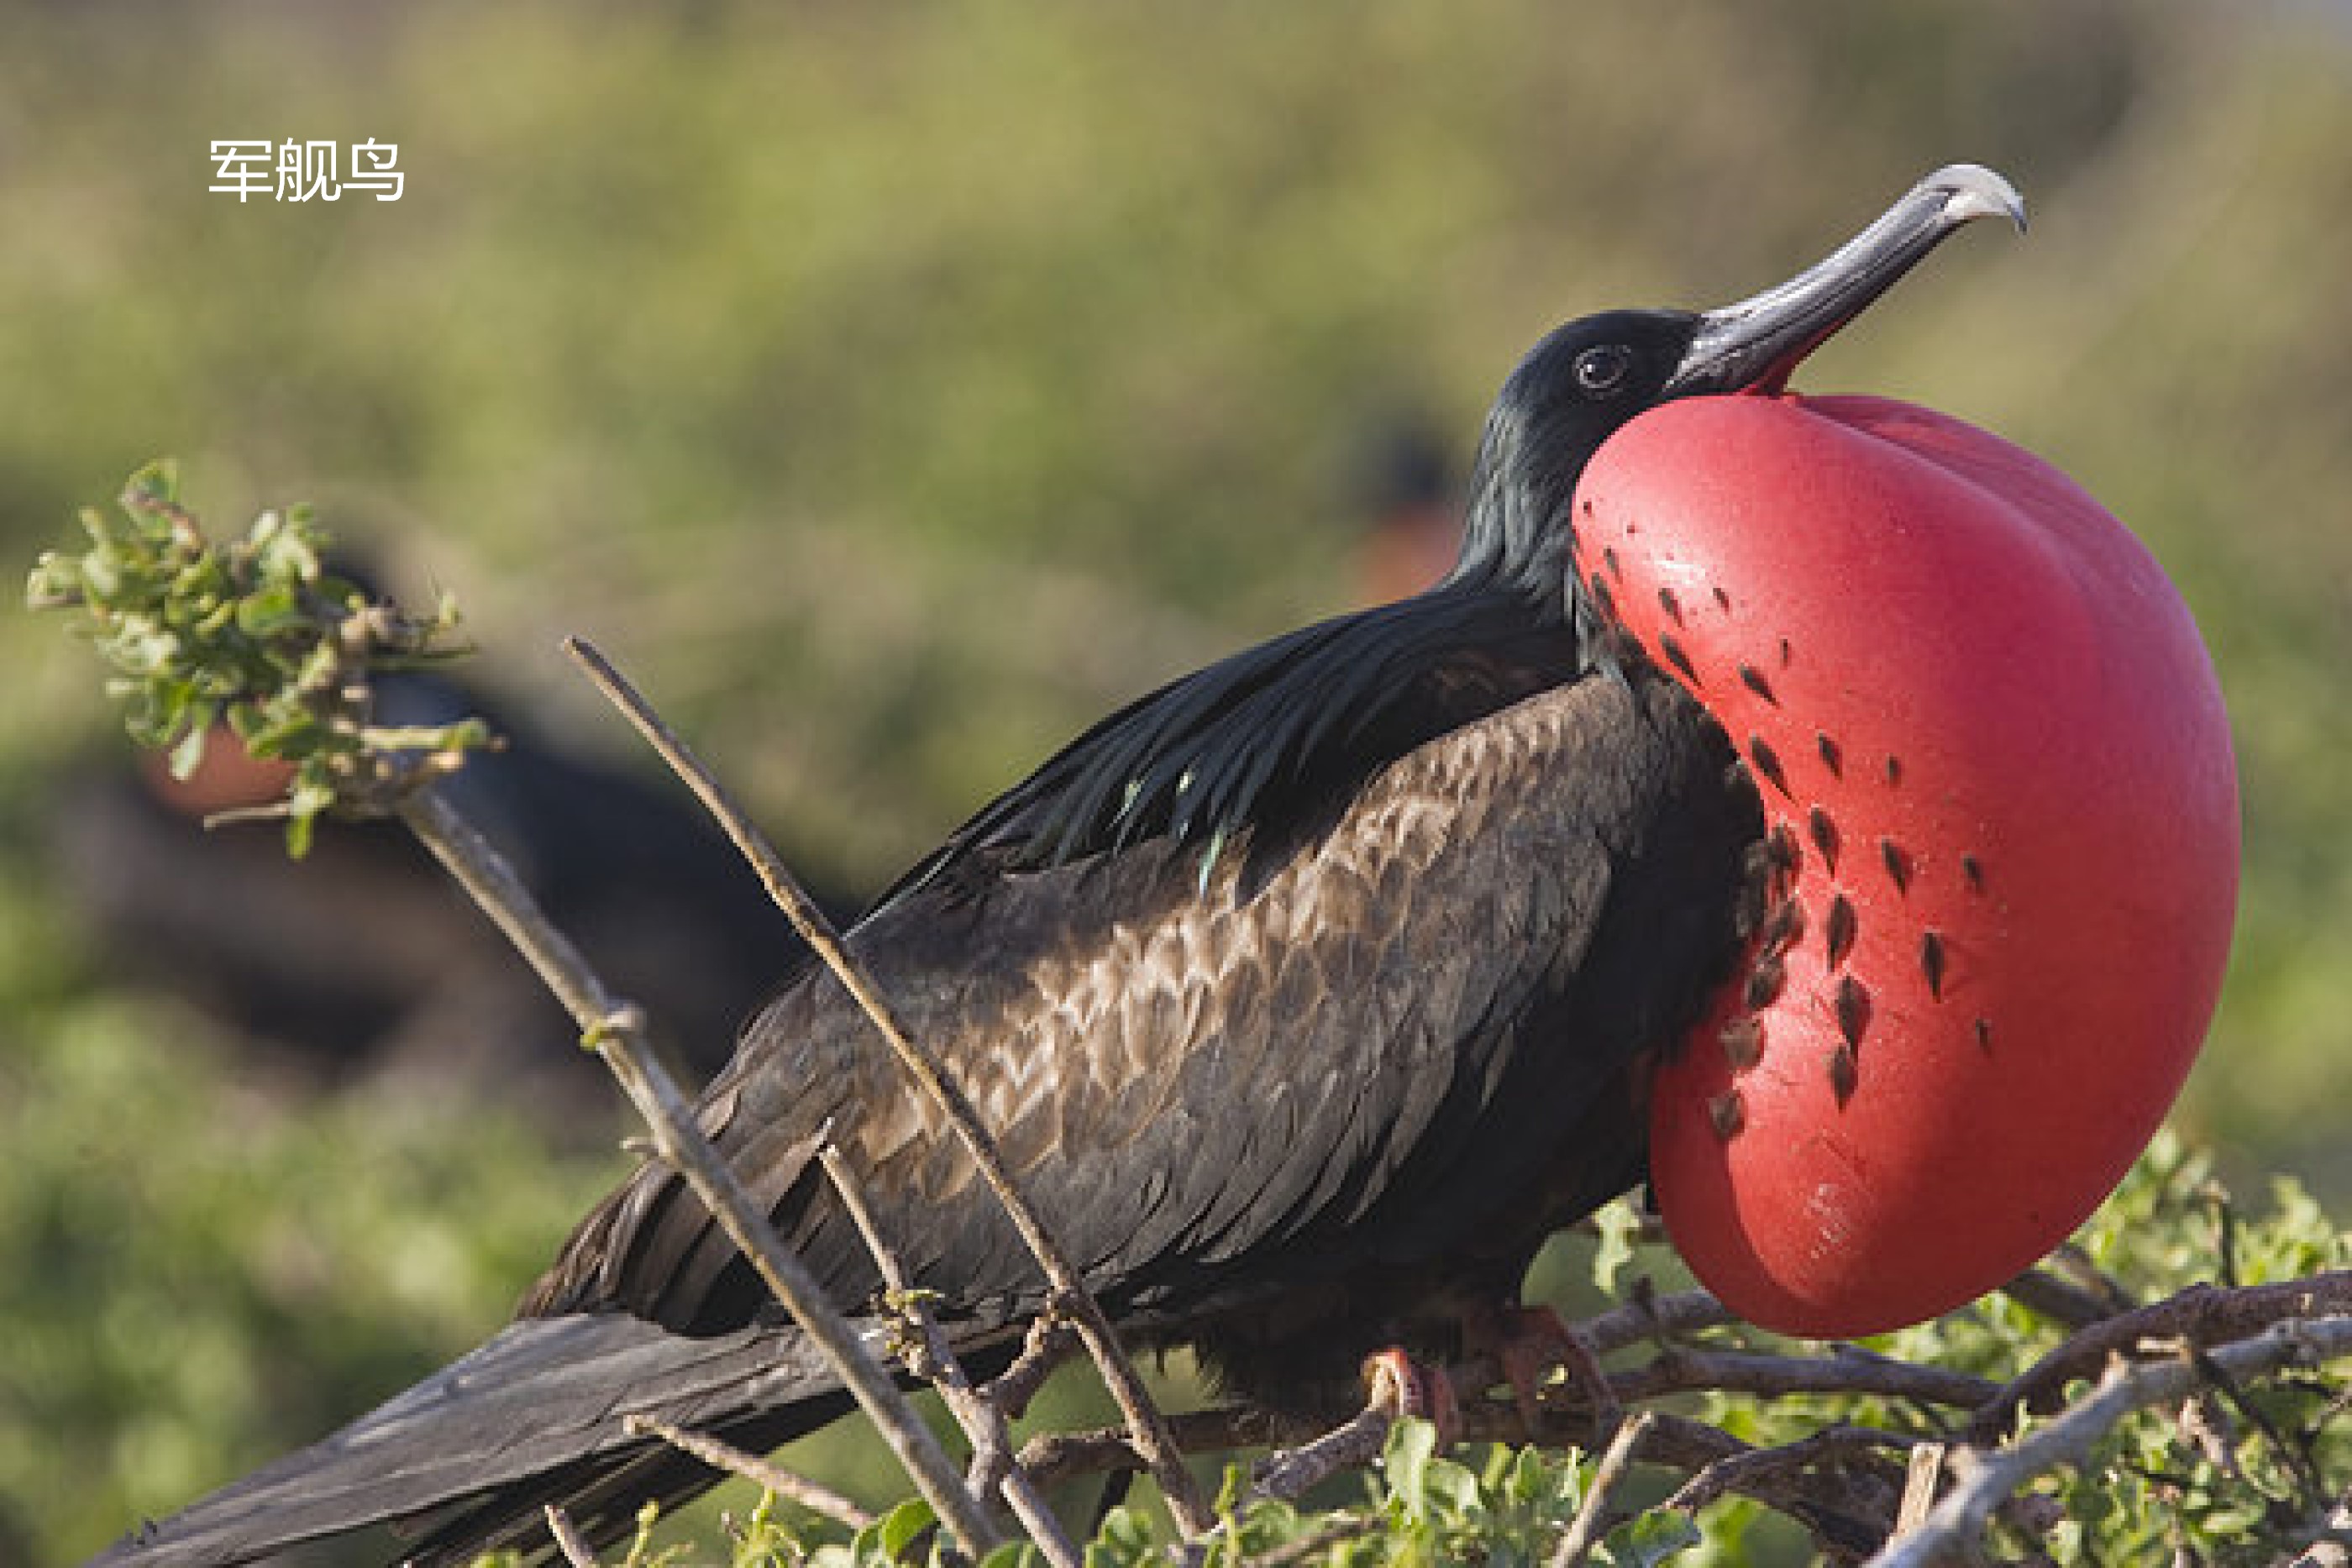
(1306, 996)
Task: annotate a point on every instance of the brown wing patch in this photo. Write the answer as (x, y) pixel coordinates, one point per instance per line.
(1176, 1071)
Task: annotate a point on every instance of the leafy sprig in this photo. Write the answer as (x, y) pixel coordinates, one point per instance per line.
(258, 637)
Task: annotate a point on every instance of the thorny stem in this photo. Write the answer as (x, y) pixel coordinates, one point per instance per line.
(617, 1034)
(1152, 1438)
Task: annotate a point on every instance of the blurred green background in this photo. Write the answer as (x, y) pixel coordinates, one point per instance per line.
(895, 391)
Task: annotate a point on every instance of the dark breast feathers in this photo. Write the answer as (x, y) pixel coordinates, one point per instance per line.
(1318, 1090)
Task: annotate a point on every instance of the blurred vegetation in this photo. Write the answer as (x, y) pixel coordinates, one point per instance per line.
(896, 391)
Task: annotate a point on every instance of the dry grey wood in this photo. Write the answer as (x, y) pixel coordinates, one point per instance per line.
(1741, 1471)
(1153, 1440)
(617, 1031)
(1984, 1481)
(764, 1473)
(1921, 1477)
(2203, 1315)
(994, 1466)
(575, 1550)
(1592, 1519)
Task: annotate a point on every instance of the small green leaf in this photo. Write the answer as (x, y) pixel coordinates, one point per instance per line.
(158, 483)
(1406, 1461)
(902, 1526)
(1453, 1489)
(1619, 1226)
(189, 754)
(1650, 1540)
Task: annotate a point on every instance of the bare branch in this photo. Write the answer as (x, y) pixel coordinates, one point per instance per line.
(2332, 1547)
(1592, 1519)
(1952, 1528)
(1050, 1341)
(1288, 1474)
(2203, 1315)
(1056, 1457)
(2061, 1301)
(616, 1032)
(1740, 1471)
(1846, 1508)
(993, 1467)
(1654, 1317)
(576, 1552)
(1310, 1547)
(1844, 1371)
(1152, 1437)
(764, 1473)
(1921, 1477)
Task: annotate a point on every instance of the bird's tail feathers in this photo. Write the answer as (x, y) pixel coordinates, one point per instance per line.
(466, 1459)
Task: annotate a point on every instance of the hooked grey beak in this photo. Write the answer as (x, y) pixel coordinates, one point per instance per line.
(1753, 346)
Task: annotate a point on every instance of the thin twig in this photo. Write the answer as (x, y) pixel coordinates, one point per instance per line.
(1654, 1317)
(1921, 1477)
(567, 1538)
(764, 1473)
(1152, 1437)
(1679, 1370)
(1056, 1457)
(994, 1467)
(1846, 1508)
(1049, 1343)
(2202, 1314)
(617, 1031)
(1954, 1525)
(1592, 1519)
(2062, 1301)
(1739, 1472)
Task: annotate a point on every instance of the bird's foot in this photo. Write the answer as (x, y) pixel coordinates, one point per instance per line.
(1396, 1387)
(1402, 1387)
(1528, 1344)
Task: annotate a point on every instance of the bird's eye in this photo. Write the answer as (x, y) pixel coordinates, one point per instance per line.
(1599, 371)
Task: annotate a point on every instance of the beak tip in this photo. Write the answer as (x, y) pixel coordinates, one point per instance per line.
(1972, 190)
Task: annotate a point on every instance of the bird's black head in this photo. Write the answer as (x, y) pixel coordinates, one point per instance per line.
(1567, 396)
(1587, 378)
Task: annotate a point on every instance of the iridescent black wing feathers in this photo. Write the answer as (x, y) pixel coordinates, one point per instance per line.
(1301, 1069)
(1263, 743)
